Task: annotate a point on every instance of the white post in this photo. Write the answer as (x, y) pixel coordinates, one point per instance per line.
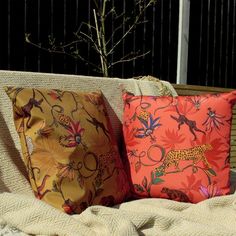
(182, 60)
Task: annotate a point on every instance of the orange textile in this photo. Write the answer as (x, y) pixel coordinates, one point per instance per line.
(178, 148)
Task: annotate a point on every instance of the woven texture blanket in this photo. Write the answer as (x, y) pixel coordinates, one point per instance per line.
(216, 216)
(22, 214)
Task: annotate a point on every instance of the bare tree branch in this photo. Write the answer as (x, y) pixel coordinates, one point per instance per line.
(91, 39)
(88, 26)
(95, 35)
(122, 60)
(63, 52)
(142, 10)
(99, 40)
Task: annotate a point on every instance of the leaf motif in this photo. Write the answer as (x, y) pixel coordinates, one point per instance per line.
(139, 135)
(137, 166)
(90, 197)
(154, 121)
(157, 181)
(138, 188)
(211, 172)
(172, 138)
(144, 182)
(158, 174)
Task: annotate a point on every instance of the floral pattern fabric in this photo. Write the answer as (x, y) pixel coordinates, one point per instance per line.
(178, 147)
(68, 148)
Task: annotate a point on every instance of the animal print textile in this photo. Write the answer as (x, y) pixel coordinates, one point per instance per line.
(68, 148)
(178, 147)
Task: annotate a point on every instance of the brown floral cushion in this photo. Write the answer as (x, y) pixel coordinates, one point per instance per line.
(68, 149)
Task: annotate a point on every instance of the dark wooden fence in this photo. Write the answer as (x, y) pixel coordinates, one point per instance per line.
(60, 18)
(211, 57)
(212, 43)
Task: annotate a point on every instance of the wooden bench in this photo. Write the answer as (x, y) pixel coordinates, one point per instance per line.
(193, 90)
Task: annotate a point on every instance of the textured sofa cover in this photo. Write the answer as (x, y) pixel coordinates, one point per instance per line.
(21, 213)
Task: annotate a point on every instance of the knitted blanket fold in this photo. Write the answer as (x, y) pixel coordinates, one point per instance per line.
(216, 216)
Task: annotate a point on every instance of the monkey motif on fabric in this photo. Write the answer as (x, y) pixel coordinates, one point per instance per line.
(182, 119)
(175, 194)
(97, 124)
(27, 108)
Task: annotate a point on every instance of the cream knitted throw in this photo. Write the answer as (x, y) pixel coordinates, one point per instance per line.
(216, 216)
(19, 209)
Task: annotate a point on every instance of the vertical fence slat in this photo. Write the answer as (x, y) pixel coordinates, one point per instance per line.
(4, 31)
(112, 40)
(221, 43)
(38, 36)
(52, 32)
(161, 38)
(200, 41)
(2, 39)
(169, 41)
(208, 41)
(25, 31)
(9, 35)
(89, 22)
(64, 30)
(124, 40)
(64, 20)
(214, 45)
(77, 25)
(233, 47)
(134, 47)
(153, 37)
(227, 45)
(144, 39)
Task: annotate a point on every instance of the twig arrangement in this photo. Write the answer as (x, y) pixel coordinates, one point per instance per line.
(97, 35)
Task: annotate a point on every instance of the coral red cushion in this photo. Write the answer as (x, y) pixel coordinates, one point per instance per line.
(178, 148)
